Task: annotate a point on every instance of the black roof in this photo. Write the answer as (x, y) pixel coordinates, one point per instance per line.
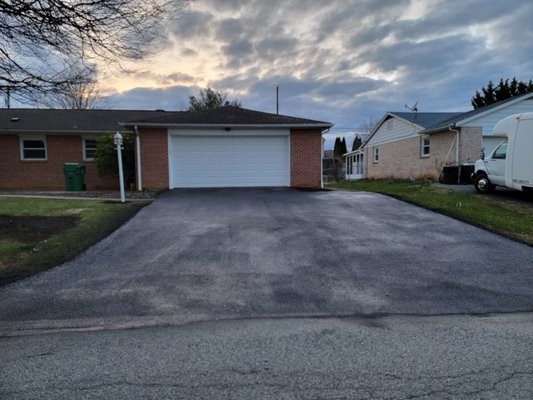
(227, 115)
(46, 120)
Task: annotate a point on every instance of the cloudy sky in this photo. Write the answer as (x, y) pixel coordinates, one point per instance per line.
(342, 61)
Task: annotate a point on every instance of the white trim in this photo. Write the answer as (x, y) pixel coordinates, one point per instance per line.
(289, 183)
(375, 151)
(83, 139)
(139, 169)
(22, 138)
(423, 146)
(491, 110)
(170, 161)
(231, 132)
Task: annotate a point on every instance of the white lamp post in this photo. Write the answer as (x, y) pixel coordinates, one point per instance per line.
(118, 142)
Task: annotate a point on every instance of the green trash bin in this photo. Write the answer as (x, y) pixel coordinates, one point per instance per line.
(74, 177)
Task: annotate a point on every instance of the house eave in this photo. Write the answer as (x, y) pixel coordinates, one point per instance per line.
(223, 126)
(59, 131)
(444, 128)
(506, 104)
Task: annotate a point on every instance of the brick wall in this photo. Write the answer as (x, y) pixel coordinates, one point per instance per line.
(470, 144)
(306, 156)
(401, 159)
(47, 175)
(154, 158)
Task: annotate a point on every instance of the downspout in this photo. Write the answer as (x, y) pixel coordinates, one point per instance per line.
(456, 152)
(138, 145)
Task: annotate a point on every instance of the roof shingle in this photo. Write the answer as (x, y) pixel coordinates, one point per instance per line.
(227, 115)
(46, 120)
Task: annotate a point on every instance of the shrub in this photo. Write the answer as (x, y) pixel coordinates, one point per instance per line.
(106, 156)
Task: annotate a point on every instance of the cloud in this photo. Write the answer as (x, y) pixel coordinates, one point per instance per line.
(191, 25)
(173, 98)
(342, 61)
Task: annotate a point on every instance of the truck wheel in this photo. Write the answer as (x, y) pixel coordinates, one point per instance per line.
(483, 185)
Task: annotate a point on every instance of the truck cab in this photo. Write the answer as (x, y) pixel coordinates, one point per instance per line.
(510, 164)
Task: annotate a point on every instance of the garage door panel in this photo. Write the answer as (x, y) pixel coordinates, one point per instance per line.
(230, 161)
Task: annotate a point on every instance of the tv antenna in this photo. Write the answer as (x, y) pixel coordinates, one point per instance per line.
(413, 108)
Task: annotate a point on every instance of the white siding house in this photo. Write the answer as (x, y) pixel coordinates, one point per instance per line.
(489, 119)
(420, 144)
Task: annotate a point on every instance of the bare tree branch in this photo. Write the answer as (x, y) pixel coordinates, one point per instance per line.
(43, 41)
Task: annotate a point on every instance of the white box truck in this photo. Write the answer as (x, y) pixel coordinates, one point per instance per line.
(511, 163)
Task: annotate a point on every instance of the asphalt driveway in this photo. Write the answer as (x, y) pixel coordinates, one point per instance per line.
(211, 254)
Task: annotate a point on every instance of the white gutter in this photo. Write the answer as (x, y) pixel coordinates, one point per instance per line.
(138, 145)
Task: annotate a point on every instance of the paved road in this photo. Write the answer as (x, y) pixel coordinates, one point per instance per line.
(211, 254)
(449, 357)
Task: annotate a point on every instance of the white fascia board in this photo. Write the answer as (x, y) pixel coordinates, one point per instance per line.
(439, 129)
(491, 110)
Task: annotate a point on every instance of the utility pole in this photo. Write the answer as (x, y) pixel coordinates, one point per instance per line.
(277, 99)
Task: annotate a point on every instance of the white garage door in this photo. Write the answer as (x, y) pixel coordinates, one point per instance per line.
(229, 161)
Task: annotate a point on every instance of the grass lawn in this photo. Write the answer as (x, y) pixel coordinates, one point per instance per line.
(37, 234)
(509, 219)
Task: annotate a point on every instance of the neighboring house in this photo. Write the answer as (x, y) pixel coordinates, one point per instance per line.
(223, 147)
(419, 144)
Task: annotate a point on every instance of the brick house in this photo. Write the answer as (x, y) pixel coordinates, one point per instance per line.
(419, 144)
(223, 147)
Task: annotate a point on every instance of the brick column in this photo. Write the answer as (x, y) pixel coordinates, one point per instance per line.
(306, 157)
(154, 158)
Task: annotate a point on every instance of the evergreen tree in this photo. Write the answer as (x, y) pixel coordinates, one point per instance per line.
(489, 93)
(504, 90)
(337, 148)
(513, 87)
(357, 142)
(343, 147)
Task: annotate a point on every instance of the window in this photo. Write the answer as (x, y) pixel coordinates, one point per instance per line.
(89, 148)
(500, 152)
(33, 148)
(424, 146)
(376, 154)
